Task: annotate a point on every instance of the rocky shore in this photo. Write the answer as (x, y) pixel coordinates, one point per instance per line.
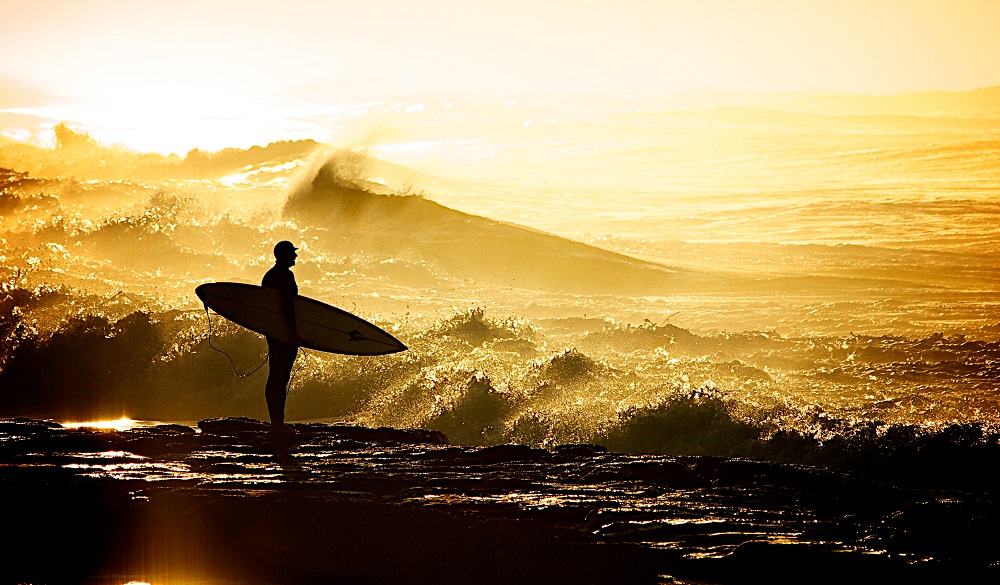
(231, 502)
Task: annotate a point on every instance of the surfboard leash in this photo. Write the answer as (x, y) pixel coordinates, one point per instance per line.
(302, 350)
(231, 362)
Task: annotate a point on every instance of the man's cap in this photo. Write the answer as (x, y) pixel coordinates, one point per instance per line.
(283, 247)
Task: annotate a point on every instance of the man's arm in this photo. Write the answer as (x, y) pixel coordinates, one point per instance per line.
(288, 310)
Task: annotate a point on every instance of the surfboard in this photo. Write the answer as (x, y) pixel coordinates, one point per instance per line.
(322, 327)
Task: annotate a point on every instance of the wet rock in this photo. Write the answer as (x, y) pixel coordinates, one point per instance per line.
(26, 427)
(232, 425)
(153, 445)
(255, 506)
(734, 472)
(776, 563)
(661, 473)
(442, 456)
(580, 450)
(172, 429)
(379, 435)
(344, 538)
(386, 434)
(508, 453)
(239, 425)
(160, 440)
(83, 441)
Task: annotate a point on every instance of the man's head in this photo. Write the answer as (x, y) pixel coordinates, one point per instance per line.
(284, 253)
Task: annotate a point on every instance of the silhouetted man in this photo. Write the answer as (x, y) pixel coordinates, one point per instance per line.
(281, 354)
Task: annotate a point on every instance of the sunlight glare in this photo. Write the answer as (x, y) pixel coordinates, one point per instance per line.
(120, 424)
(170, 122)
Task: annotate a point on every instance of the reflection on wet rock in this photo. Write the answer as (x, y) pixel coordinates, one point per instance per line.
(233, 502)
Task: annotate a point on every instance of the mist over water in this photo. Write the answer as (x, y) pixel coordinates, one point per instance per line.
(685, 280)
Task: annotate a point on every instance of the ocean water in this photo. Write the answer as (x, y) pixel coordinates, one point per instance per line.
(761, 280)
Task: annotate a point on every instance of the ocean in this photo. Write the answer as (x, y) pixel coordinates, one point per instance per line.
(800, 280)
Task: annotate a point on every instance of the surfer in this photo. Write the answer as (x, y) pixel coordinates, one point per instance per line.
(281, 355)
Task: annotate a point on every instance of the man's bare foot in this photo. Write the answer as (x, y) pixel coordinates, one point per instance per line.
(282, 428)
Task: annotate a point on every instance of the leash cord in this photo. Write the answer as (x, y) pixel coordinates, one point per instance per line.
(304, 353)
(231, 362)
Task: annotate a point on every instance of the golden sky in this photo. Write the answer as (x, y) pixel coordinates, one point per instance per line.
(102, 48)
(217, 57)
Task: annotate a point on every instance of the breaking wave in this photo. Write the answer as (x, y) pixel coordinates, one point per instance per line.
(515, 335)
(487, 381)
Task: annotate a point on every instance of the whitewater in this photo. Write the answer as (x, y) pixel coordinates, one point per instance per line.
(645, 275)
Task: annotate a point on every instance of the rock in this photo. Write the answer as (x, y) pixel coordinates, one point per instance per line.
(662, 473)
(234, 425)
(230, 425)
(26, 427)
(580, 450)
(508, 453)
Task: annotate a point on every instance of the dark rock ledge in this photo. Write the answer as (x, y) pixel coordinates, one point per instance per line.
(233, 503)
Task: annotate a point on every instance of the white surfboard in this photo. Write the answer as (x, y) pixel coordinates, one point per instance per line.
(322, 327)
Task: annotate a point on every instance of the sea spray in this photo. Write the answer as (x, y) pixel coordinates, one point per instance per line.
(825, 351)
(506, 378)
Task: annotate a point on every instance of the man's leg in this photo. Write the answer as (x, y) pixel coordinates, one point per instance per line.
(281, 359)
